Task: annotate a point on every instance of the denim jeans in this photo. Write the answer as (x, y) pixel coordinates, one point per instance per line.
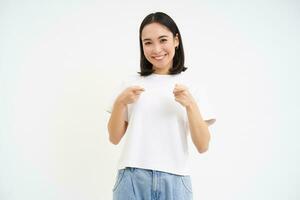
(143, 184)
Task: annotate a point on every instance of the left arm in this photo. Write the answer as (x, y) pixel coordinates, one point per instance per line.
(198, 127)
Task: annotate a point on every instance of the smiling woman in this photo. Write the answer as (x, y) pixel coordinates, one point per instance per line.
(159, 47)
(157, 110)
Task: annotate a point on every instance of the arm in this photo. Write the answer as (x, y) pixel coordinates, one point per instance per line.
(117, 125)
(198, 127)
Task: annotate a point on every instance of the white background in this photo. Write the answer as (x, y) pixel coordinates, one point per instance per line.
(59, 61)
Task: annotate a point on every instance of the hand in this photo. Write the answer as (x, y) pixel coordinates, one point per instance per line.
(182, 95)
(130, 95)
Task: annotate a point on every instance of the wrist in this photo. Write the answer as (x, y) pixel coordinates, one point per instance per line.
(120, 102)
(191, 105)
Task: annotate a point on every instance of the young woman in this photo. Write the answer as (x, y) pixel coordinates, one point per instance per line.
(156, 111)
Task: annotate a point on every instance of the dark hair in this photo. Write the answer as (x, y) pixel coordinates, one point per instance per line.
(178, 60)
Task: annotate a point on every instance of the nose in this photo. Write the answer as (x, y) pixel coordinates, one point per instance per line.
(156, 48)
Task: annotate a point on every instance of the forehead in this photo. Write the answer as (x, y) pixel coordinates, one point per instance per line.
(155, 30)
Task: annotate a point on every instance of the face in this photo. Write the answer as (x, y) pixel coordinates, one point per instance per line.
(159, 46)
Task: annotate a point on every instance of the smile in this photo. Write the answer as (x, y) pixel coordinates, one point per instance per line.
(159, 57)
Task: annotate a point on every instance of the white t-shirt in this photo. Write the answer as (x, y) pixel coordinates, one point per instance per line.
(156, 136)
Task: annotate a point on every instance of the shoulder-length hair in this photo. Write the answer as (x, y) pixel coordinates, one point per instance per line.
(178, 59)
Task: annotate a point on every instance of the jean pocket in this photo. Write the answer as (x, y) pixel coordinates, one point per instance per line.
(187, 184)
(119, 178)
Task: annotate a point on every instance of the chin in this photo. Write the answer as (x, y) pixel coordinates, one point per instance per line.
(160, 65)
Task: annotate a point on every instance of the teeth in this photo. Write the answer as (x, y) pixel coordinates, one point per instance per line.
(158, 57)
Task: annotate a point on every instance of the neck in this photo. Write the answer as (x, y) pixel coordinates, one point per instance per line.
(162, 71)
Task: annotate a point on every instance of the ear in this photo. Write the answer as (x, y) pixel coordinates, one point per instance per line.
(176, 40)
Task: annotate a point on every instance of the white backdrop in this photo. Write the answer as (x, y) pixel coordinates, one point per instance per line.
(59, 62)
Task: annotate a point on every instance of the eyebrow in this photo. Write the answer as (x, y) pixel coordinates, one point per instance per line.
(162, 36)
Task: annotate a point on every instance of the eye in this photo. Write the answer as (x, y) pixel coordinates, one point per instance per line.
(163, 40)
(147, 43)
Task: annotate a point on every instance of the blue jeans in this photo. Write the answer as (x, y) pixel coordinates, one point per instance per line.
(142, 184)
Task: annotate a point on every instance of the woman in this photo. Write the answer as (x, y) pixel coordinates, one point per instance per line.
(156, 110)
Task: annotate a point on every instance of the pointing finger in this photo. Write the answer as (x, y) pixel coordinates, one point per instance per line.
(178, 90)
(137, 88)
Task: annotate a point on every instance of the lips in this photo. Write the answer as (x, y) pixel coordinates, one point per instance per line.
(159, 57)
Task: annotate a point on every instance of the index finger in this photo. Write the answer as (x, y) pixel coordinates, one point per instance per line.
(137, 88)
(176, 91)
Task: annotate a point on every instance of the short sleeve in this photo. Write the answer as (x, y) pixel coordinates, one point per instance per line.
(113, 96)
(205, 106)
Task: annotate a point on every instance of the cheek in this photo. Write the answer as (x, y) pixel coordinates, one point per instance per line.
(147, 50)
(170, 47)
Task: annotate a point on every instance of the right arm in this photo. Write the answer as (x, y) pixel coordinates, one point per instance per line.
(117, 125)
